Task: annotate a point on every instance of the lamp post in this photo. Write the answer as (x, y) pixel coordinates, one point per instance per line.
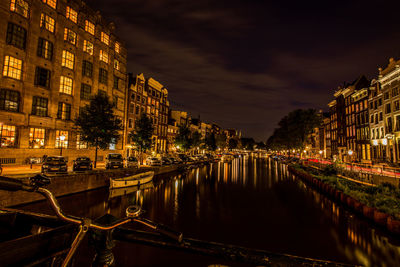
(350, 152)
(62, 138)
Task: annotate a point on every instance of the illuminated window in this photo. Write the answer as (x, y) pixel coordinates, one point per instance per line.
(117, 47)
(103, 56)
(72, 14)
(105, 38)
(59, 141)
(65, 85)
(88, 47)
(39, 106)
(89, 27)
(36, 137)
(70, 36)
(12, 67)
(47, 22)
(45, 49)
(64, 111)
(116, 64)
(103, 76)
(80, 144)
(8, 135)
(86, 91)
(9, 100)
(52, 3)
(67, 59)
(20, 7)
(87, 69)
(16, 36)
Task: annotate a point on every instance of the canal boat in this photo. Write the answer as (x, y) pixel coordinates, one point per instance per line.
(122, 191)
(133, 180)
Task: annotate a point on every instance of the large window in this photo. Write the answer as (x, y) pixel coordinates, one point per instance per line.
(39, 106)
(9, 100)
(70, 36)
(80, 144)
(12, 67)
(52, 3)
(117, 64)
(20, 6)
(88, 47)
(87, 68)
(103, 76)
(71, 14)
(63, 141)
(8, 135)
(45, 49)
(86, 91)
(66, 85)
(42, 77)
(64, 111)
(89, 27)
(103, 56)
(67, 59)
(47, 22)
(36, 137)
(105, 38)
(16, 36)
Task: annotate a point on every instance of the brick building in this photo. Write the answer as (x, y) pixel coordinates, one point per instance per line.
(55, 55)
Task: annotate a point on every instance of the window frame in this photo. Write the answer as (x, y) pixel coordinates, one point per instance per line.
(40, 106)
(10, 100)
(16, 35)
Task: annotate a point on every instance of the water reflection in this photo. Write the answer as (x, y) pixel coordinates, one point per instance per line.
(249, 202)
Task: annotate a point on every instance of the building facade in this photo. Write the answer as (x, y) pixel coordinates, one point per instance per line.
(55, 55)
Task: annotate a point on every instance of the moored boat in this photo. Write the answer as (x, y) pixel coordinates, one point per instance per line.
(133, 180)
(122, 191)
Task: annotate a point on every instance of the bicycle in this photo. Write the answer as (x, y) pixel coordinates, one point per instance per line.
(36, 185)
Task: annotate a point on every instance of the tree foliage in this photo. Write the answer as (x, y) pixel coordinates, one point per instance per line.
(293, 129)
(233, 143)
(183, 137)
(97, 124)
(210, 141)
(196, 140)
(247, 143)
(141, 135)
(221, 141)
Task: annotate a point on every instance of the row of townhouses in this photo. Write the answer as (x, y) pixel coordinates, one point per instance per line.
(55, 55)
(363, 123)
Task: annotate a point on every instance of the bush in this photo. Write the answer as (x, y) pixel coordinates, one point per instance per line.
(329, 170)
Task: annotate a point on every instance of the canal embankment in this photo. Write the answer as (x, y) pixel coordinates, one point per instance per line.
(380, 204)
(71, 183)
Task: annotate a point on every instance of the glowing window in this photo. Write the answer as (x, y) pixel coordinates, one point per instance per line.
(66, 85)
(89, 27)
(70, 36)
(105, 38)
(12, 67)
(47, 22)
(80, 144)
(88, 47)
(51, 3)
(67, 59)
(36, 137)
(103, 56)
(117, 47)
(116, 64)
(7, 135)
(20, 7)
(59, 141)
(71, 14)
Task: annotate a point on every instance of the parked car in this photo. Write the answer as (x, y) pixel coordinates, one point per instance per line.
(82, 164)
(166, 161)
(55, 164)
(114, 161)
(153, 161)
(132, 162)
(175, 160)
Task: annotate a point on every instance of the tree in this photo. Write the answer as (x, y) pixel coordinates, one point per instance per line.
(196, 140)
(141, 135)
(221, 141)
(183, 138)
(97, 124)
(210, 141)
(232, 143)
(247, 143)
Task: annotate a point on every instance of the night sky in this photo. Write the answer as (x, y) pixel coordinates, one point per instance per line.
(245, 64)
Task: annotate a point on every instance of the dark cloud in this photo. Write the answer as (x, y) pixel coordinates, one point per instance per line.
(245, 64)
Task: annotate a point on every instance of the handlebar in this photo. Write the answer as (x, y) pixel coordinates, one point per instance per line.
(132, 212)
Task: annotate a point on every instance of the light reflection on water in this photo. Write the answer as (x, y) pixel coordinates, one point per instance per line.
(272, 209)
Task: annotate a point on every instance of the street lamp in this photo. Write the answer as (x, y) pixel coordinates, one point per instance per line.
(62, 138)
(350, 152)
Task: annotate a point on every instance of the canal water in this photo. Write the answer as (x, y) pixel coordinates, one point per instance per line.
(251, 202)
